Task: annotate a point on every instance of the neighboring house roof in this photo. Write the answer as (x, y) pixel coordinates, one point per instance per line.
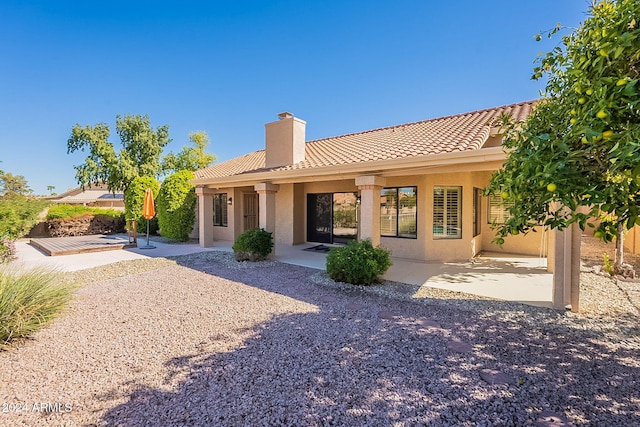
(97, 193)
(457, 133)
(91, 196)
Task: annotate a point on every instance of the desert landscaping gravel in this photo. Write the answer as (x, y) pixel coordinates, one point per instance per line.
(202, 340)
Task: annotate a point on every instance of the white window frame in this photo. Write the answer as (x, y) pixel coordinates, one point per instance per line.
(445, 221)
(497, 210)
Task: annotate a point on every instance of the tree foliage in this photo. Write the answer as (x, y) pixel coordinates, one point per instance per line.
(140, 155)
(134, 200)
(176, 206)
(190, 158)
(577, 156)
(13, 185)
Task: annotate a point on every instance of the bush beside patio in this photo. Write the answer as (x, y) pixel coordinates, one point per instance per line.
(358, 263)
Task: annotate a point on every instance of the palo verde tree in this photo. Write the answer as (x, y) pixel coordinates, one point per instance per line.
(577, 156)
(190, 158)
(140, 155)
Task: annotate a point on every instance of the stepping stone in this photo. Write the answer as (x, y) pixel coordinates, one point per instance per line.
(354, 306)
(495, 377)
(327, 298)
(386, 315)
(459, 346)
(549, 419)
(429, 323)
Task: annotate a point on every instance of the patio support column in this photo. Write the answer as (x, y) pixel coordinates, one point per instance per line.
(370, 186)
(267, 205)
(566, 274)
(205, 216)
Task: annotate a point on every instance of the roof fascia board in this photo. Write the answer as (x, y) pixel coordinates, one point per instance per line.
(481, 156)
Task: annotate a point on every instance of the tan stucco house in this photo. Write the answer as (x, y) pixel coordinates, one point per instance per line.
(415, 188)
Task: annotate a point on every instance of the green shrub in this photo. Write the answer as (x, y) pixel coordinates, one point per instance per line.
(19, 214)
(28, 300)
(358, 263)
(608, 266)
(134, 199)
(73, 211)
(7, 249)
(176, 206)
(253, 245)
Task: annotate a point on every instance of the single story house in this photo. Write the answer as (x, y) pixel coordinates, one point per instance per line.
(98, 195)
(415, 188)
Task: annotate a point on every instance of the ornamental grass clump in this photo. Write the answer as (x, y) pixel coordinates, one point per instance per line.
(253, 245)
(358, 263)
(28, 300)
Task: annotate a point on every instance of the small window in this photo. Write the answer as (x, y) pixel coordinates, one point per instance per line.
(477, 211)
(447, 212)
(399, 212)
(498, 211)
(220, 209)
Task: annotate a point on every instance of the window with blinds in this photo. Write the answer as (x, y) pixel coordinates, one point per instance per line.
(220, 209)
(497, 210)
(447, 212)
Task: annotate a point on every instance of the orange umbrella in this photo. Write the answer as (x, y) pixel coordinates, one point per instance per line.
(148, 210)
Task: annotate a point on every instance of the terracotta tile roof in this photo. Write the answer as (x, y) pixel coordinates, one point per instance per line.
(460, 132)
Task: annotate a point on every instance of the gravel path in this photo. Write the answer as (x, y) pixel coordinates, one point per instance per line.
(202, 340)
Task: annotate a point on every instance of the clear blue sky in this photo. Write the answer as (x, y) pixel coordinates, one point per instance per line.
(228, 67)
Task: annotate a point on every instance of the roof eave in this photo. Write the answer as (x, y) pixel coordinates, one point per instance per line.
(468, 157)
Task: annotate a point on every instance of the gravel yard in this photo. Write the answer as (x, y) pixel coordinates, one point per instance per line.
(202, 340)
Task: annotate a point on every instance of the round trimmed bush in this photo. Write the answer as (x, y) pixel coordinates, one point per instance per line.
(176, 206)
(253, 245)
(358, 263)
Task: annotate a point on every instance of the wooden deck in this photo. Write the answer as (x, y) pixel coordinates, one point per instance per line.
(55, 246)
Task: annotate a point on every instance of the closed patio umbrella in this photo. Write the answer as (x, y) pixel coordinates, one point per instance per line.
(148, 212)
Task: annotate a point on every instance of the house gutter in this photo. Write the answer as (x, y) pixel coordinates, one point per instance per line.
(348, 171)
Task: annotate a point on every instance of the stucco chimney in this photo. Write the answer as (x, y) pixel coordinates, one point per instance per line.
(284, 141)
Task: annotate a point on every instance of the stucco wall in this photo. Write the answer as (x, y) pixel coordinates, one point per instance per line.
(632, 240)
(284, 214)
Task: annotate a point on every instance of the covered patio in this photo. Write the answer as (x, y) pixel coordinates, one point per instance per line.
(502, 276)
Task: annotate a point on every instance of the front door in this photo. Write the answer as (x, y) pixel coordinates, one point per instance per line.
(345, 217)
(332, 217)
(319, 217)
(250, 203)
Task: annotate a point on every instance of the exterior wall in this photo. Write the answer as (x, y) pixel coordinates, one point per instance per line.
(284, 214)
(632, 240)
(533, 243)
(290, 214)
(291, 218)
(451, 249)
